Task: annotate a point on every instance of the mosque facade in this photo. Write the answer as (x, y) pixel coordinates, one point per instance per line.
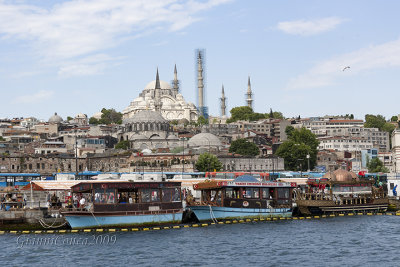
(160, 96)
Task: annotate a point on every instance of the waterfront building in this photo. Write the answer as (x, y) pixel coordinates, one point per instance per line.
(160, 95)
(344, 143)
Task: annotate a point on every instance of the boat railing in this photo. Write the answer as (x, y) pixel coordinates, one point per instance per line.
(342, 200)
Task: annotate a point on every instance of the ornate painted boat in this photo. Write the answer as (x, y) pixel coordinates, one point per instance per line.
(122, 203)
(341, 191)
(244, 197)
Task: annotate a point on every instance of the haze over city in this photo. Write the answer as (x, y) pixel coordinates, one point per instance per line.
(75, 57)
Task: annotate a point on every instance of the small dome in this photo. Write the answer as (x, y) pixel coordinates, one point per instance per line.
(204, 139)
(172, 136)
(137, 137)
(55, 118)
(146, 116)
(341, 176)
(146, 151)
(152, 85)
(97, 115)
(80, 116)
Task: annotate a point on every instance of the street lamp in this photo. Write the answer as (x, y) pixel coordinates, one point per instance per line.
(308, 159)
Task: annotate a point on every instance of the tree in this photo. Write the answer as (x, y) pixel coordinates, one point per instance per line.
(93, 120)
(289, 130)
(394, 118)
(240, 113)
(208, 162)
(244, 147)
(300, 143)
(372, 121)
(69, 118)
(110, 116)
(124, 144)
(375, 165)
(2, 138)
(202, 120)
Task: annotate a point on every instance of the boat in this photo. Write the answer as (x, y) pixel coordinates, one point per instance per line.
(124, 203)
(341, 191)
(244, 197)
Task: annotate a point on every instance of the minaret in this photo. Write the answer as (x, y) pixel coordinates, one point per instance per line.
(223, 103)
(175, 82)
(200, 84)
(249, 95)
(157, 94)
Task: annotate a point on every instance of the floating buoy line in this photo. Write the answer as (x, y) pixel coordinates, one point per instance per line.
(194, 225)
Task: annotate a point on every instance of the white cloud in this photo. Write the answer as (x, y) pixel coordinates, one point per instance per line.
(34, 98)
(372, 57)
(309, 27)
(79, 28)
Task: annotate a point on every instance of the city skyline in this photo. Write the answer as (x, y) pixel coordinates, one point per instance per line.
(295, 54)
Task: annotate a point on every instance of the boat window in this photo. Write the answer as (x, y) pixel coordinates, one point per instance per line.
(155, 197)
(256, 193)
(265, 193)
(229, 193)
(283, 192)
(102, 196)
(248, 192)
(145, 196)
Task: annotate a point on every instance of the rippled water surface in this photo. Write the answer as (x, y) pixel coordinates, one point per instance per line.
(341, 241)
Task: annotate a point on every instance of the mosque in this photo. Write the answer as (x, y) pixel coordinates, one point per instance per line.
(160, 95)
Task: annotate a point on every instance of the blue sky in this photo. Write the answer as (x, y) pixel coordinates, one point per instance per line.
(75, 57)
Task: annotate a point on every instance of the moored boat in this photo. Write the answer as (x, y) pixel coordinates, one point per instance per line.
(122, 203)
(244, 197)
(341, 191)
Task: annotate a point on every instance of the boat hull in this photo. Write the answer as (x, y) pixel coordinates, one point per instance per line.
(318, 207)
(89, 221)
(205, 213)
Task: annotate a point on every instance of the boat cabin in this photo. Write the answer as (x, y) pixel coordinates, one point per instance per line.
(245, 192)
(120, 196)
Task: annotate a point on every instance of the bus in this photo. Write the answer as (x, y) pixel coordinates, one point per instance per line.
(18, 179)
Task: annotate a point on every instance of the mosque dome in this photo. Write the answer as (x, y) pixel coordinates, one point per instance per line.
(341, 175)
(204, 139)
(163, 85)
(146, 116)
(55, 118)
(97, 115)
(80, 116)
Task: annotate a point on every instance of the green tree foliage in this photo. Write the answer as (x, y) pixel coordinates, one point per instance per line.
(394, 118)
(244, 147)
(300, 143)
(110, 116)
(93, 120)
(202, 120)
(2, 138)
(372, 121)
(375, 165)
(289, 130)
(247, 114)
(124, 144)
(208, 162)
(69, 118)
(378, 121)
(240, 113)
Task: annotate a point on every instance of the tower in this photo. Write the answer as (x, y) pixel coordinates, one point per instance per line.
(200, 83)
(157, 94)
(223, 103)
(175, 82)
(249, 95)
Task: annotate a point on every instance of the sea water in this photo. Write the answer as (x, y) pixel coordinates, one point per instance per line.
(340, 241)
